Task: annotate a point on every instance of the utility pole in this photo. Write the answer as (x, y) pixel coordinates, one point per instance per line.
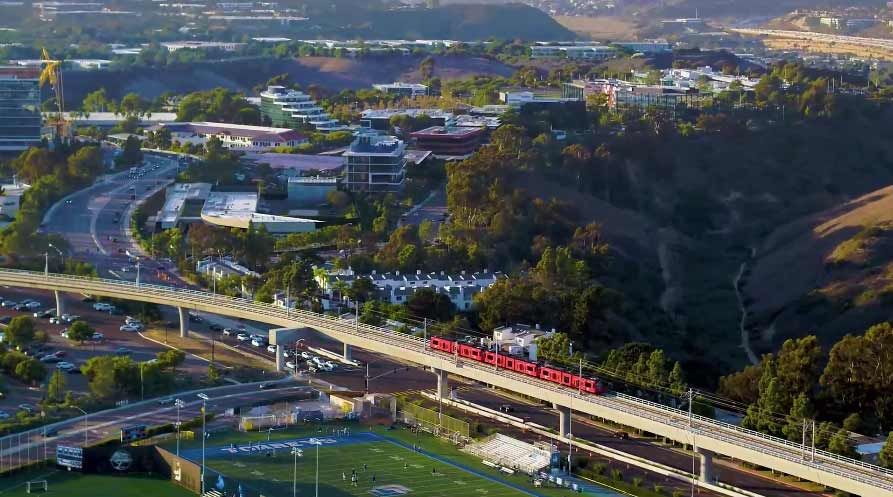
(813, 440)
(691, 397)
(425, 331)
(366, 379)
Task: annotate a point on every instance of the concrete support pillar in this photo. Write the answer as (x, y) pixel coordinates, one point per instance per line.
(347, 353)
(184, 321)
(443, 385)
(60, 308)
(279, 364)
(564, 419)
(706, 465)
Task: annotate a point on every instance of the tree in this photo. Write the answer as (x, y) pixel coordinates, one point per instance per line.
(20, 331)
(171, 358)
(555, 348)
(132, 105)
(131, 153)
(677, 379)
(85, 164)
(427, 303)
(30, 371)
(657, 368)
(800, 412)
(840, 444)
(97, 101)
(426, 68)
(56, 388)
(886, 455)
(80, 331)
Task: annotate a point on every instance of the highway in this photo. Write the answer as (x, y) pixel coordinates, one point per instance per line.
(94, 220)
(829, 469)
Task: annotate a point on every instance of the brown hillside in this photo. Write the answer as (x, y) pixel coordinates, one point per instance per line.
(828, 273)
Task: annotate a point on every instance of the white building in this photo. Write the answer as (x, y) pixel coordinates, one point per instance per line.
(221, 267)
(182, 204)
(398, 287)
(573, 52)
(403, 89)
(236, 136)
(239, 210)
(11, 199)
(173, 46)
(520, 339)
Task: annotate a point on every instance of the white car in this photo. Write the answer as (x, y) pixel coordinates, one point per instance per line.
(306, 355)
(257, 342)
(271, 349)
(326, 366)
(130, 320)
(64, 366)
(316, 360)
(242, 337)
(97, 337)
(291, 365)
(70, 318)
(229, 331)
(33, 305)
(134, 328)
(55, 320)
(103, 307)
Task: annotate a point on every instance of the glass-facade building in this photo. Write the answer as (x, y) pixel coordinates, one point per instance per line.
(294, 109)
(20, 117)
(375, 163)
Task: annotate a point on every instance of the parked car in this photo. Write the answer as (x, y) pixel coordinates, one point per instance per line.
(506, 408)
(306, 355)
(242, 337)
(131, 320)
(327, 366)
(33, 305)
(131, 328)
(44, 314)
(64, 333)
(9, 304)
(102, 306)
(291, 365)
(49, 359)
(258, 343)
(271, 349)
(318, 361)
(55, 320)
(21, 307)
(229, 331)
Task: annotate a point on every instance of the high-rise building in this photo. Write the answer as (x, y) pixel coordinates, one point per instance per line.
(295, 109)
(20, 118)
(375, 163)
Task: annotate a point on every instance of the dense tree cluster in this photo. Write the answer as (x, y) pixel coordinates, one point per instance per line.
(217, 105)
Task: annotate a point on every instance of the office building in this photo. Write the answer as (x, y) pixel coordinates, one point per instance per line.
(236, 136)
(239, 210)
(20, 118)
(375, 163)
(449, 142)
(295, 109)
(403, 89)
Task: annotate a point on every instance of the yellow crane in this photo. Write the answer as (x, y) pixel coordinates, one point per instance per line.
(52, 74)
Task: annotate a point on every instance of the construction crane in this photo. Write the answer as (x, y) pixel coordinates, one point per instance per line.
(52, 74)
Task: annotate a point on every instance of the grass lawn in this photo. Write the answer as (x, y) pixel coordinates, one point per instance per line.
(66, 484)
(397, 468)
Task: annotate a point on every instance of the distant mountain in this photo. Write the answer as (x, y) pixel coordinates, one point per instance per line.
(368, 20)
(747, 8)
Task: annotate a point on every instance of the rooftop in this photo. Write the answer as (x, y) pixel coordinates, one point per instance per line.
(177, 195)
(448, 132)
(240, 130)
(375, 144)
(300, 162)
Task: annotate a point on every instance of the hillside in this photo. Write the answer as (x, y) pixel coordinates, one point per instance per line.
(829, 272)
(739, 8)
(333, 74)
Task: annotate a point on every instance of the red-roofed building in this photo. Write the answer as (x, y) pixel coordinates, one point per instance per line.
(449, 142)
(236, 136)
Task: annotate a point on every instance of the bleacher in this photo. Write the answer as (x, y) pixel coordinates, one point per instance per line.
(510, 453)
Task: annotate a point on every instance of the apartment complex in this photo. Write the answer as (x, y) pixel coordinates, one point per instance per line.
(20, 118)
(236, 136)
(375, 163)
(295, 109)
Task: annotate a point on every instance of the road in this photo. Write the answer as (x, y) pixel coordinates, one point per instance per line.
(93, 220)
(19, 448)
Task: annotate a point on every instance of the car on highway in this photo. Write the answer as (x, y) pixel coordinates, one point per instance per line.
(103, 307)
(131, 328)
(4, 415)
(195, 318)
(97, 337)
(167, 401)
(64, 333)
(271, 349)
(65, 366)
(33, 305)
(242, 337)
(229, 331)
(123, 351)
(506, 408)
(258, 342)
(45, 314)
(130, 320)
(9, 304)
(50, 358)
(26, 407)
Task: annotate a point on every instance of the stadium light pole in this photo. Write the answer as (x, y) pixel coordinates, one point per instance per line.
(316, 442)
(205, 399)
(179, 403)
(294, 475)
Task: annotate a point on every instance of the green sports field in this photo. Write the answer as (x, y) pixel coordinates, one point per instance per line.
(388, 455)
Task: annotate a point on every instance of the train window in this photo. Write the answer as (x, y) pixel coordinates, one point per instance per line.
(575, 382)
(502, 360)
(530, 369)
(490, 357)
(546, 373)
(566, 379)
(475, 354)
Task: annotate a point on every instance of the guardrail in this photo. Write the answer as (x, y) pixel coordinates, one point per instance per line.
(709, 428)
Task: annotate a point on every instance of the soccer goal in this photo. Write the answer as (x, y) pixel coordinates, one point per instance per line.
(258, 423)
(36, 486)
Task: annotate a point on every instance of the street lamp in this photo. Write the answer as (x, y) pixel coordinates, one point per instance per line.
(137, 271)
(61, 255)
(86, 426)
(179, 403)
(205, 399)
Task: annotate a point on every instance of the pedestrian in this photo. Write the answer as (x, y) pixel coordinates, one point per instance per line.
(405, 466)
(373, 478)
(364, 467)
(433, 471)
(343, 476)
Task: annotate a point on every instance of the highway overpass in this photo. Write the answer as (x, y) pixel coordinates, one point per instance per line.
(706, 435)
